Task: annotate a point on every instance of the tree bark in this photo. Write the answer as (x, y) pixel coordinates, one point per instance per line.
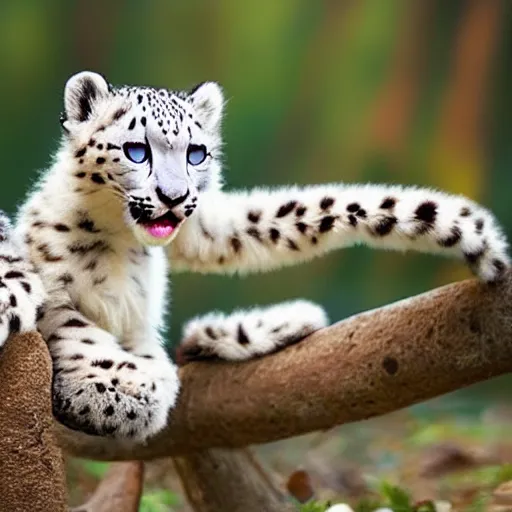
(364, 366)
(31, 467)
(231, 480)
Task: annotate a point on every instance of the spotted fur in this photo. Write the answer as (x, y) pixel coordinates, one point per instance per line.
(246, 334)
(130, 178)
(264, 229)
(21, 290)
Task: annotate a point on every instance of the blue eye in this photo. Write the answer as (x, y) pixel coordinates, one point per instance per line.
(196, 154)
(137, 152)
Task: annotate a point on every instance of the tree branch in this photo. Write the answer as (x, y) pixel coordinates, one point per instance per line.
(228, 480)
(367, 365)
(31, 468)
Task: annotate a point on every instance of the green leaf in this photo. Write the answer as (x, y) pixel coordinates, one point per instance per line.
(399, 500)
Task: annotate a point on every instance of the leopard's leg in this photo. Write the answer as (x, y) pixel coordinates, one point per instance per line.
(245, 334)
(101, 388)
(21, 291)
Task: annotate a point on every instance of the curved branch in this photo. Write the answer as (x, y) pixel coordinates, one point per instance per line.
(366, 365)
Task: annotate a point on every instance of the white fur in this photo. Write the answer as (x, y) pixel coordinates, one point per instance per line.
(246, 334)
(224, 216)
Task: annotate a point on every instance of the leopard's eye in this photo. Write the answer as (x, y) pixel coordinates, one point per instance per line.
(137, 152)
(196, 154)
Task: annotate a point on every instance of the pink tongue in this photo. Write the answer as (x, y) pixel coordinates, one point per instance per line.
(162, 230)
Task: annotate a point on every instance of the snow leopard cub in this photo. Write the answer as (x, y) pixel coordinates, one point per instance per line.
(136, 186)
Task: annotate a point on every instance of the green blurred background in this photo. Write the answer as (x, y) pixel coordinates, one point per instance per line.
(379, 90)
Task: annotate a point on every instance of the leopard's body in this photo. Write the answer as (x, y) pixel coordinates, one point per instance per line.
(139, 169)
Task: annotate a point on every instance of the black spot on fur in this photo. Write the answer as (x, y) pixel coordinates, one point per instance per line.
(292, 245)
(326, 224)
(81, 152)
(254, 216)
(76, 357)
(285, 209)
(91, 143)
(454, 238)
(100, 387)
(80, 174)
(97, 178)
(242, 337)
(14, 274)
(75, 322)
(314, 240)
(118, 114)
(300, 211)
(479, 226)
(143, 121)
(210, 333)
(301, 226)
(104, 363)
(388, 203)
(66, 278)
(100, 160)
(14, 323)
(109, 410)
(385, 226)
(111, 146)
(13, 301)
(465, 212)
(88, 225)
(361, 213)
(236, 244)
(352, 220)
(26, 286)
(85, 410)
(132, 124)
(326, 202)
(426, 212)
(99, 146)
(62, 228)
(83, 248)
(353, 207)
(254, 233)
(274, 235)
(132, 415)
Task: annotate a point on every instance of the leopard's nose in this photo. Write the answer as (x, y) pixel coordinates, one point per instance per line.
(168, 201)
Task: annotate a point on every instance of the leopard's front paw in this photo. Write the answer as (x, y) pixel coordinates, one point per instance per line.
(124, 399)
(248, 334)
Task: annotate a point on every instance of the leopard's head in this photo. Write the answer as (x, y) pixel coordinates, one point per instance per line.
(157, 149)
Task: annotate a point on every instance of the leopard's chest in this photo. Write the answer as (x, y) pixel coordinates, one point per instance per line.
(114, 294)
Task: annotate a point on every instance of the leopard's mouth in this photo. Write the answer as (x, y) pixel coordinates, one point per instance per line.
(162, 227)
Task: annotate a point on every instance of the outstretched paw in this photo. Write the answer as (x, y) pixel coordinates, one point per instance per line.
(248, 334)
(125, 397)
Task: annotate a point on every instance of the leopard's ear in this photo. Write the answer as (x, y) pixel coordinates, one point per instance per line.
(208, 102)
(81, 92)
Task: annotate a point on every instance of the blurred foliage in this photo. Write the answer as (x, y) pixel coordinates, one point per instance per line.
(395, 91)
